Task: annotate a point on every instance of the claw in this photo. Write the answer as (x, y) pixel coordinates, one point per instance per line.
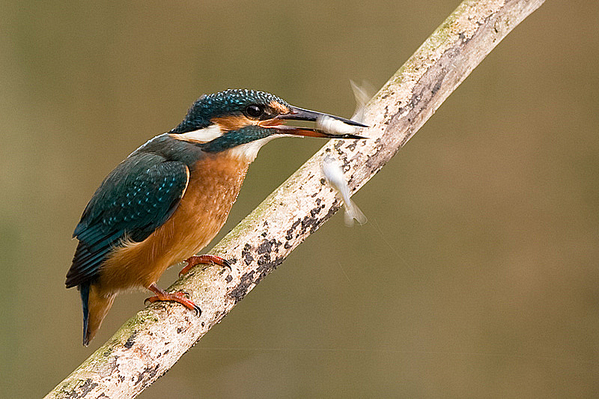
(179, 297)
(204, 260)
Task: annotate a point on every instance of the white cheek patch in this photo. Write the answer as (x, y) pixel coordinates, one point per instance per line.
(203, 135)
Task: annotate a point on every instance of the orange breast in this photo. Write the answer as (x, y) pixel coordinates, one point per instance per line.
(214, 184)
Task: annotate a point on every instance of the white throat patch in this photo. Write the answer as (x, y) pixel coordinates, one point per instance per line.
(248, 152)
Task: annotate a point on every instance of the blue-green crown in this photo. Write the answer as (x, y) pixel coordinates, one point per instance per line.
(228, 102)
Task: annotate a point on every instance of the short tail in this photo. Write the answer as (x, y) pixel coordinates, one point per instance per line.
(95, 308)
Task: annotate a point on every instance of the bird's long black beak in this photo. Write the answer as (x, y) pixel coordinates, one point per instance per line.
(339, 129)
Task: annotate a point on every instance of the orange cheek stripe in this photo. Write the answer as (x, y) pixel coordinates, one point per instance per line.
(235, 122)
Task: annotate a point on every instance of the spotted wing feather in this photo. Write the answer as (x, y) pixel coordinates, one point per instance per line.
(133, 201)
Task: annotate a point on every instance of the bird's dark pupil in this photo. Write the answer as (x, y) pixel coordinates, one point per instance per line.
(254, 111)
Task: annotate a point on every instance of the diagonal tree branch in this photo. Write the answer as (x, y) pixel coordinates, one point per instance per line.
(150, 343)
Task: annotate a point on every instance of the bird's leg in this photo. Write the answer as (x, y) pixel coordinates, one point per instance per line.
(204, 260)
(180, 297)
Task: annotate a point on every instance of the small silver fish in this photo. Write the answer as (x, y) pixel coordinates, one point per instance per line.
(334, 175)
(362, 94)
(334, 126)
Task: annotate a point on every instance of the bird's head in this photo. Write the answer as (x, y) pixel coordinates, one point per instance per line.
(245, 120)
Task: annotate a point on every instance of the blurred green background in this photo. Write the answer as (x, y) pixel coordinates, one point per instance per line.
(477, 275)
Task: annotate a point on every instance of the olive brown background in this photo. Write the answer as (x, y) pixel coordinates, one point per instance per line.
(477, 275)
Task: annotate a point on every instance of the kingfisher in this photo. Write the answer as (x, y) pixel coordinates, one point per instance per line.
(169, 198)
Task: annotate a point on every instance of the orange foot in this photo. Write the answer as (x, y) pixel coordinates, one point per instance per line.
(204, 260)
(180, 297)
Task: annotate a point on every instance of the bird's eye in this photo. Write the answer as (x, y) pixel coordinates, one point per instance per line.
(254, 111)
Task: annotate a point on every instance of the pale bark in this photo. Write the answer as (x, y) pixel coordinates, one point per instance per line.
(150, 343)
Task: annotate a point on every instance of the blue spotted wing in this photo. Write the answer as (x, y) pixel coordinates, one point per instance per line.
(136, 198)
